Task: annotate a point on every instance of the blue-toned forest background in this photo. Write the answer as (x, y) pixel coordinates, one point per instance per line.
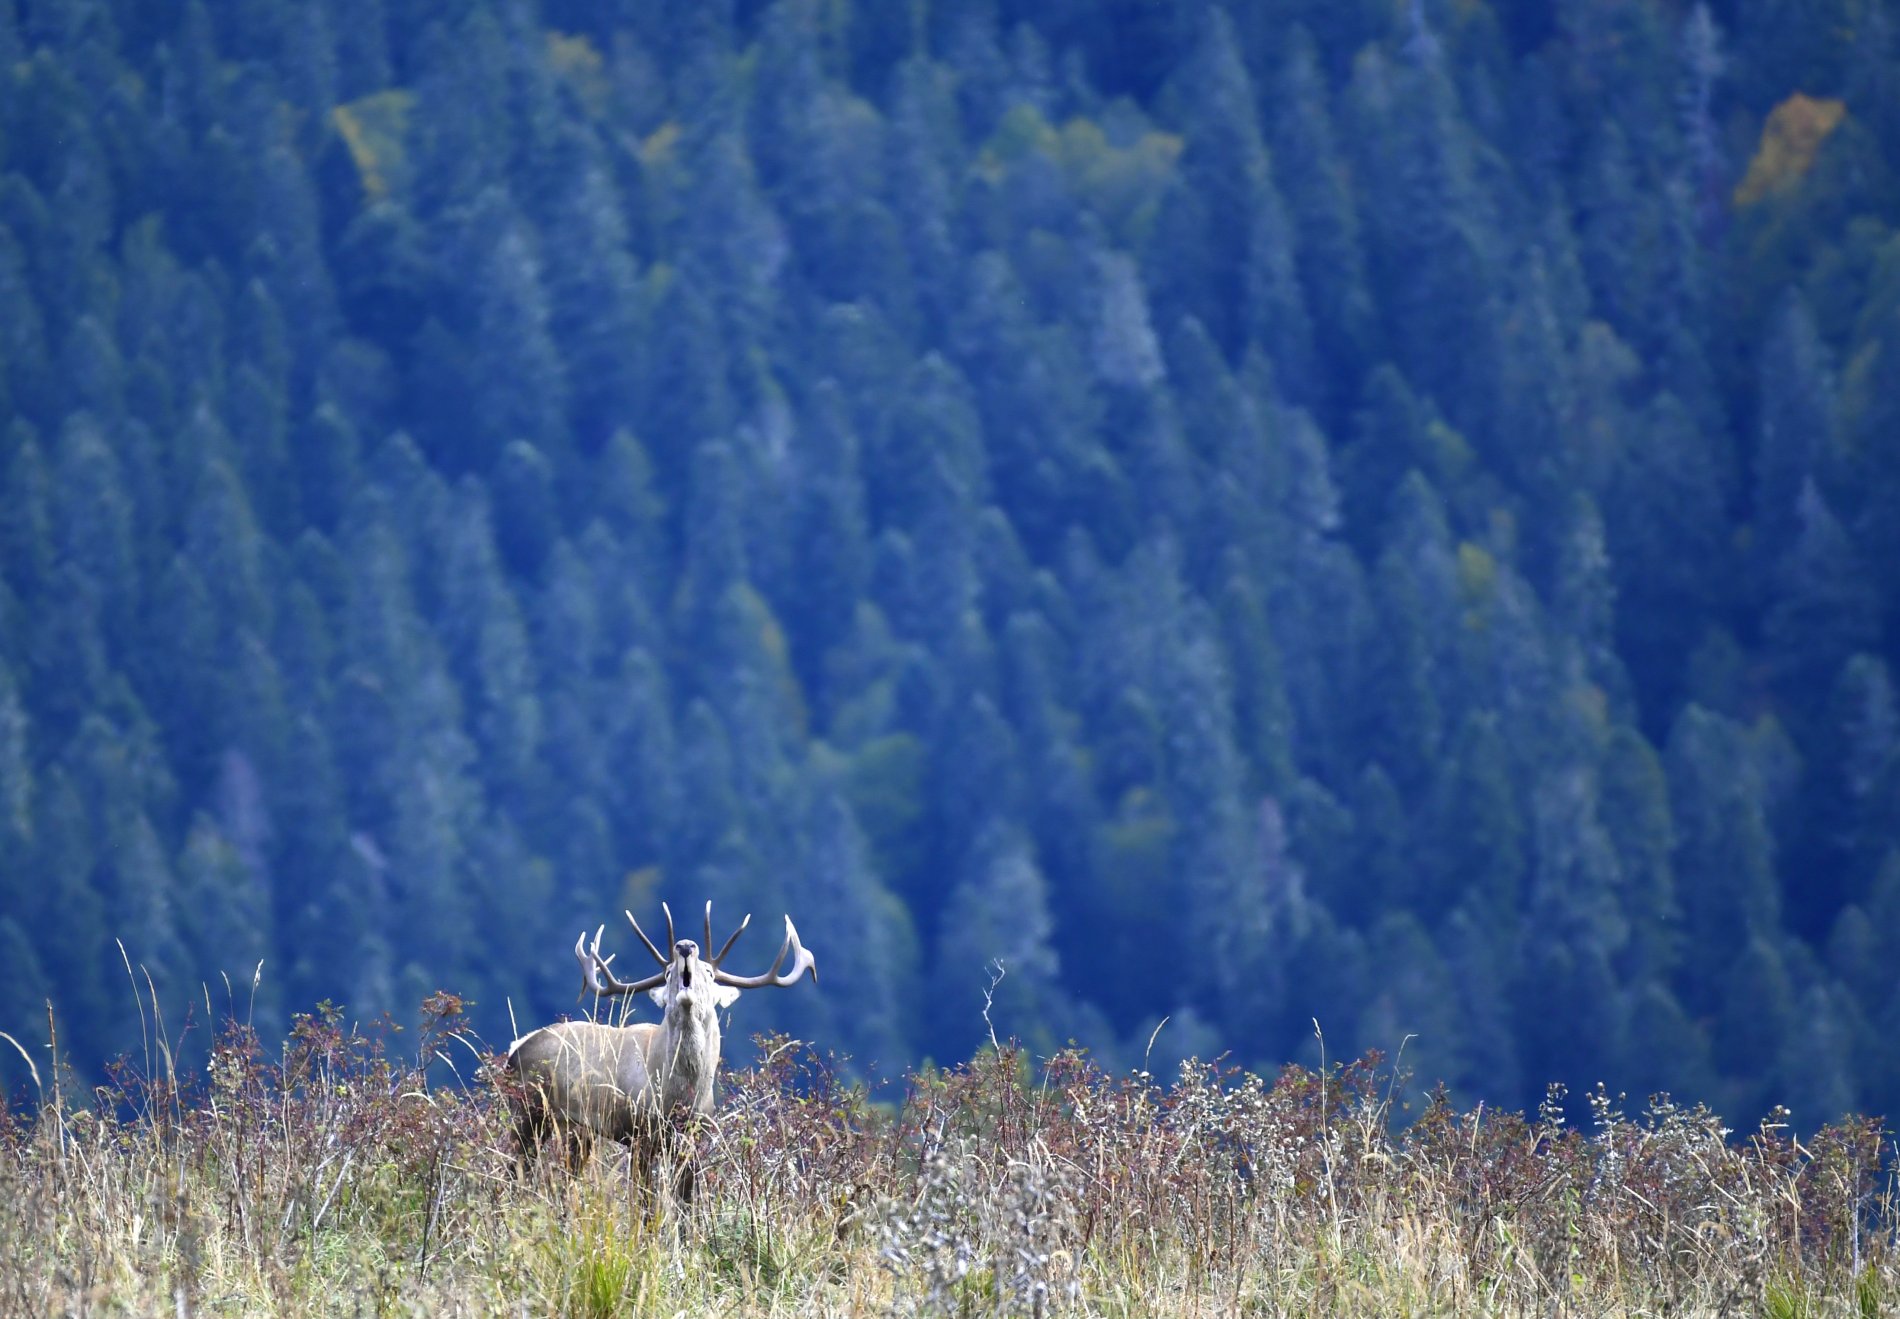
(1308, 508)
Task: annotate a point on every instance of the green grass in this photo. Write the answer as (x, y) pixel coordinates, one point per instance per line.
(328, 1180)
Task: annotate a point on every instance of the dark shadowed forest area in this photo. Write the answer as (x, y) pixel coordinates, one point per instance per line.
(1386, 513)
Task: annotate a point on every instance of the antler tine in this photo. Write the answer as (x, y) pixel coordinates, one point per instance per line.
(672, 939)
(590, 976)
(732, 940)
(597, 971)
(802, 961)
(663, 961)
(706, 947)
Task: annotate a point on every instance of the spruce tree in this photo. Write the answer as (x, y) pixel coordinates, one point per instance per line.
(1796, 425)
(1724, 857)
(1821, 610)
(997, 912)
(1312, 174)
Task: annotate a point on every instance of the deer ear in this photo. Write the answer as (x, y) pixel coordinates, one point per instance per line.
(724, 996)
(661, 994)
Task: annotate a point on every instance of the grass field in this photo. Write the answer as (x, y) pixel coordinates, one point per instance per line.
(324, 1177)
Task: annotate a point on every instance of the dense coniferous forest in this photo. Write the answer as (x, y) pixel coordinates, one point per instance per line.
(1301, 509)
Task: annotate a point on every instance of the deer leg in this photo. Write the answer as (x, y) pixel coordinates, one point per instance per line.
(530, 1128)
(686, 1140)
(580, 1144)
(527, 1147)
(669, 1164)
(657, 1170)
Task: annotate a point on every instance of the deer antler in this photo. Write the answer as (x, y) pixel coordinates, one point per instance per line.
(663, 960)
(730, 940)
(802, 961)
(597, 971)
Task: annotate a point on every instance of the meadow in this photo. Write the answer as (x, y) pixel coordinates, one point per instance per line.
(337, 1173)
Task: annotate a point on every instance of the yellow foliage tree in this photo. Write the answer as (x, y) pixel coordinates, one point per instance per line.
(374, 128)
(1790, 141)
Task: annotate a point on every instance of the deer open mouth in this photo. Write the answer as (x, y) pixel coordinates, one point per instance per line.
(686, 976)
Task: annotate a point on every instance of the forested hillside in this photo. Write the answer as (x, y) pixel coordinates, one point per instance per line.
(1313, 508)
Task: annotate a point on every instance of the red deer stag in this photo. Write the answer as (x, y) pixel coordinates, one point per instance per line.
(582, 1079)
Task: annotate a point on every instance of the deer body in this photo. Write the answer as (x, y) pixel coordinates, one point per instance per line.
(635, 1083)
(621, 1081)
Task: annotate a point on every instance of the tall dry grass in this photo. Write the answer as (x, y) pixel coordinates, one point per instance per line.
(328, 1178)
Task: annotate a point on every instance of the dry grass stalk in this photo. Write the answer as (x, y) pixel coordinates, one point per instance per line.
(331, 1180)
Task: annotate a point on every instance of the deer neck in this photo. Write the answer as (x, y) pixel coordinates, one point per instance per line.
(688, 1048)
